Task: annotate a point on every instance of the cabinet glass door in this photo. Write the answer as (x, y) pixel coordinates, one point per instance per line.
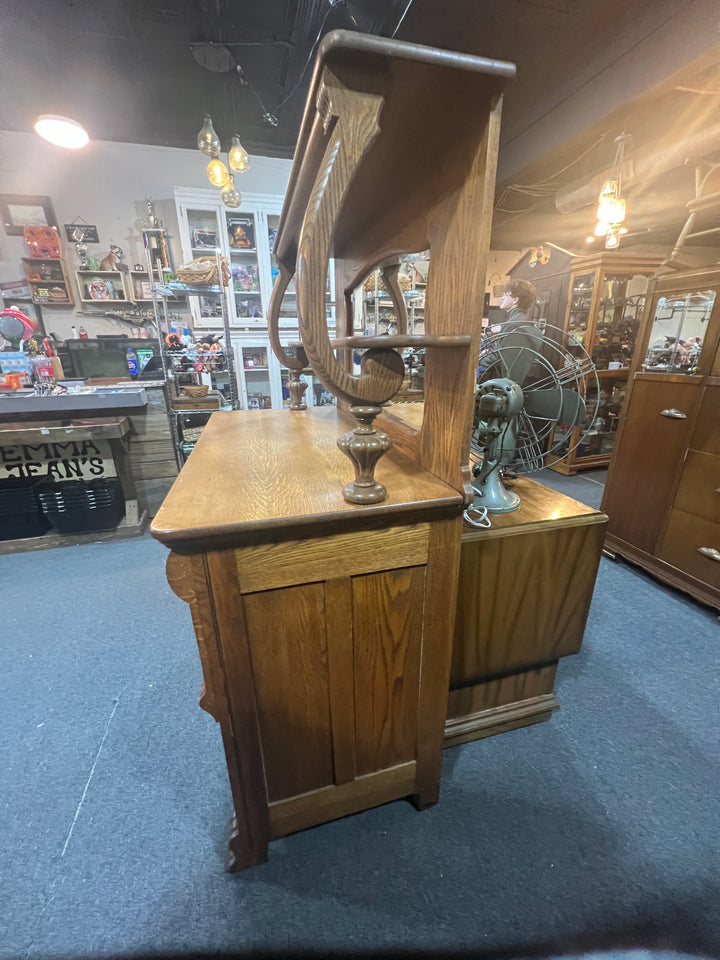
(242, 237)
(288, 307)
(256, 376)
(678, 332)
(620, 308)
(578, 319)
(203, 234)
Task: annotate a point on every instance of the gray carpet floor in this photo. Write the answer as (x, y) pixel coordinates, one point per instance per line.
(599, 828)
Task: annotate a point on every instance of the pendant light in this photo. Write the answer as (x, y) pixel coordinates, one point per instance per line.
(237, 156)
(230, 197)
(207, 140)
(611, 208)
(218, 173)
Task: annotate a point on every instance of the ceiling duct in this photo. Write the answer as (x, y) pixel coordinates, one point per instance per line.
(645, 165)
(213, 56)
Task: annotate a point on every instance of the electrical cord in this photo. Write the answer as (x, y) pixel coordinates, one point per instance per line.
(477, 517)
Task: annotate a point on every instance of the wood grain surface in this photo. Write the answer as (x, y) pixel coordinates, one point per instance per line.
(329, 803)
(647, 459)
(271, 565)
(289, 665)
(387, 627)
(523, 599)
(262, 472)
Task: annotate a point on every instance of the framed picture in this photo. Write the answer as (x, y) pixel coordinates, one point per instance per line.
(25, 210)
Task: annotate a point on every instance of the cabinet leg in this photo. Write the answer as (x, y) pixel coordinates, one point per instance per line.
(242, 853)
(425, 799)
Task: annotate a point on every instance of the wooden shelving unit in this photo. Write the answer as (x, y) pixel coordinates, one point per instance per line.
(49, 281)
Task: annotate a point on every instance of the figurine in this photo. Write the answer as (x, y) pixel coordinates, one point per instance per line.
(112, 260)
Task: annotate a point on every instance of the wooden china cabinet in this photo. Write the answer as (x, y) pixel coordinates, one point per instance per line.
(663, 488)
(604, 315)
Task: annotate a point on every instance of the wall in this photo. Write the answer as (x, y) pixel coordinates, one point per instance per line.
(499, 262)
(106, 184)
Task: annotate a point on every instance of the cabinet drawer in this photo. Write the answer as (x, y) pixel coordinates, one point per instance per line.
(684, 535)
(697, 492)
(706, 432)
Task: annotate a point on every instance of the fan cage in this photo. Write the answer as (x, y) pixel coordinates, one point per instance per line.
(561, 362)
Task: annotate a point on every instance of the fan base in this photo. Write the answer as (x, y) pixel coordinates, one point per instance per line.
(494, 496)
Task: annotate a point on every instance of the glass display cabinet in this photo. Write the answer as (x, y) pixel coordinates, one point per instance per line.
(604, 315)
(662, 488)
(245, 236)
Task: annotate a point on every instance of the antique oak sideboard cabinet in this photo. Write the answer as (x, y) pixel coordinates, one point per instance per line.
(324, 605)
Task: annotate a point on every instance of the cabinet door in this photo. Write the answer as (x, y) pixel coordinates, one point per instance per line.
(648, 457)
(201, 235)
(246, 234)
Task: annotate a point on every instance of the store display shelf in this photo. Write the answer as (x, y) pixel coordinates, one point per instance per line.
(49, 540)
(243, 251)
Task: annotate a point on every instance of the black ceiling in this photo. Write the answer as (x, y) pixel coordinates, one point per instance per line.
(126, 70)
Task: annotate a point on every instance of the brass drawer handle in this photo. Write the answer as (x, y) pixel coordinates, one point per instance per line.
(710, 552)
(674, 414)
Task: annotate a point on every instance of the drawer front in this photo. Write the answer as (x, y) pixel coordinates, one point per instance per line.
(698, 492)
(706, 433)
(274, 565)
(684, 537)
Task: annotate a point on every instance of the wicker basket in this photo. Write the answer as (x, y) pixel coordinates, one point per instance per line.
(203, 272)
(196, 391)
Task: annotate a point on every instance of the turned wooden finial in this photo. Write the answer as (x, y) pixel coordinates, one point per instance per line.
(364, 446)
(297, 388)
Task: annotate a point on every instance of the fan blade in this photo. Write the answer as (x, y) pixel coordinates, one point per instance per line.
(564, 406)
(517, 353)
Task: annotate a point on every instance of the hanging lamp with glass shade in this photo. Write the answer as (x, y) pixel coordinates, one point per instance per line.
(207, 139)
(237, 156)
(218, 173)
(230, 196)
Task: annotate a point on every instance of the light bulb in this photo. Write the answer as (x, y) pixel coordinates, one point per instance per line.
(612, 240)
(611, 210)
(207, 140)
(237, 157)
(62, 131)
(218, 173)
(230, 196)
(601, 229)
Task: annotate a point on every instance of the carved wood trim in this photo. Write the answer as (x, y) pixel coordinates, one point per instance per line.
(355, 130)
(186, 576)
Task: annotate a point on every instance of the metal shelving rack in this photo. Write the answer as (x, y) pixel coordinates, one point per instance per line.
(162, 292)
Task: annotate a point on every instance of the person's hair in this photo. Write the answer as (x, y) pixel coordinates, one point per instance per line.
(524, 291)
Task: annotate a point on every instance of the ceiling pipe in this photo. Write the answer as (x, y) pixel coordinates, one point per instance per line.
(645, 165)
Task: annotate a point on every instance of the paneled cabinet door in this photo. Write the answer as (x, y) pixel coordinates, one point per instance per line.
(654, 438)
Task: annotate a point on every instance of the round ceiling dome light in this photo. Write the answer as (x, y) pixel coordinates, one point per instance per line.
(62, 131)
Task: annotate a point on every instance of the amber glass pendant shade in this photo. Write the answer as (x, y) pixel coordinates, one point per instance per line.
(230, 196)
(237, 156)
(218, 173)
(207, 140)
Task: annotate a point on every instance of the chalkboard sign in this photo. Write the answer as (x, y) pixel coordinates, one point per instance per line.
(81, 233)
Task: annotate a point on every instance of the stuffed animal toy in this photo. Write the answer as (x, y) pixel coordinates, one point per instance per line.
(112, 260)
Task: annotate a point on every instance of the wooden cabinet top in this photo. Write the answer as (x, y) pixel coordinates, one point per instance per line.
(436, 108)
(270, 474)
(540, 508)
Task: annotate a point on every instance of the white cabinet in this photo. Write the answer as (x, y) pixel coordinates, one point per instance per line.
(246, 237)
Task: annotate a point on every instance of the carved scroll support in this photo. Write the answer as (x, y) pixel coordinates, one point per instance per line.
(389, 273)
(381, 369)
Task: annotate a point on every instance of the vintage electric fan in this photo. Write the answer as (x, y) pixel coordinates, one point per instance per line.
(532, 393)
